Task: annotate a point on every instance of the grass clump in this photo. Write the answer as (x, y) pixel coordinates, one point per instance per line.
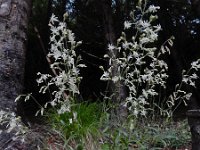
(79, 128)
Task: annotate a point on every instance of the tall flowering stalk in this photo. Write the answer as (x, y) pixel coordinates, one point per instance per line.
(141, 68)
(65, 64)
(139, 63)
(189, 80)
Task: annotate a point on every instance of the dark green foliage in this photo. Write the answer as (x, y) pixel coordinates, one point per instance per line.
(87, 123)
(93, 127)
(147, 135)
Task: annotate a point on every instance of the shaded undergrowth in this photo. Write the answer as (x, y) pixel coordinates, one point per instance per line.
(92, 129)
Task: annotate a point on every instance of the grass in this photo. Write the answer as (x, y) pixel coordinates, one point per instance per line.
(84, 128)
(92, 130)
(148, 135)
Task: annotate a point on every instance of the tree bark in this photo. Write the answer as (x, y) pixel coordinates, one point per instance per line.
(118, 89)
(13, 26)
(196, 6)
(194, 122)
(110, 37)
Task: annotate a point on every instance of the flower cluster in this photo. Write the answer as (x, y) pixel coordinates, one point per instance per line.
(188, 78)
(140, 67)
(65, 65)
(133, 61)
(13, 124)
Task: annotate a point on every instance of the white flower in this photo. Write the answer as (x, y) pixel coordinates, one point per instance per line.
(136, 71)
(194, 76)
(144, 24)
(135, 112)
(192, 83)
(135, 54)
(111, 47)
(162, 64)
(127, 25)
(115, 79)
(153, 9)
(57, 54)
(144, 77)
(153, 36)
(70, 121)
(134, 103)
(53, 103)
(82, 65)
(143, 112)
(63, 109)
(185, 79)
(187, 96)
(144, 93)
(129, 57)
(139, 61)
(126, 45)
(54, 30)
(131, 125)
(196, 64)
(157, 28)
(152, 92)
(142, 99)
(43, 77)
(53, 18)
(53, 37)
(61, 26)
(75, 115)
(164, 76)
(59, 43)
(135, 45)
(144, 40)
(105, 76)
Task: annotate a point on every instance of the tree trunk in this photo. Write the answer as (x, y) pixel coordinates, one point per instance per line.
(110, 37)
(13, 27)
(117, 88)
(194, 122)
(196, 6)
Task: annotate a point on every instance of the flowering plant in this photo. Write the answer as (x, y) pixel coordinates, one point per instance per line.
(14, 125)
(65, 67)
(140, 66)
(188, 78)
